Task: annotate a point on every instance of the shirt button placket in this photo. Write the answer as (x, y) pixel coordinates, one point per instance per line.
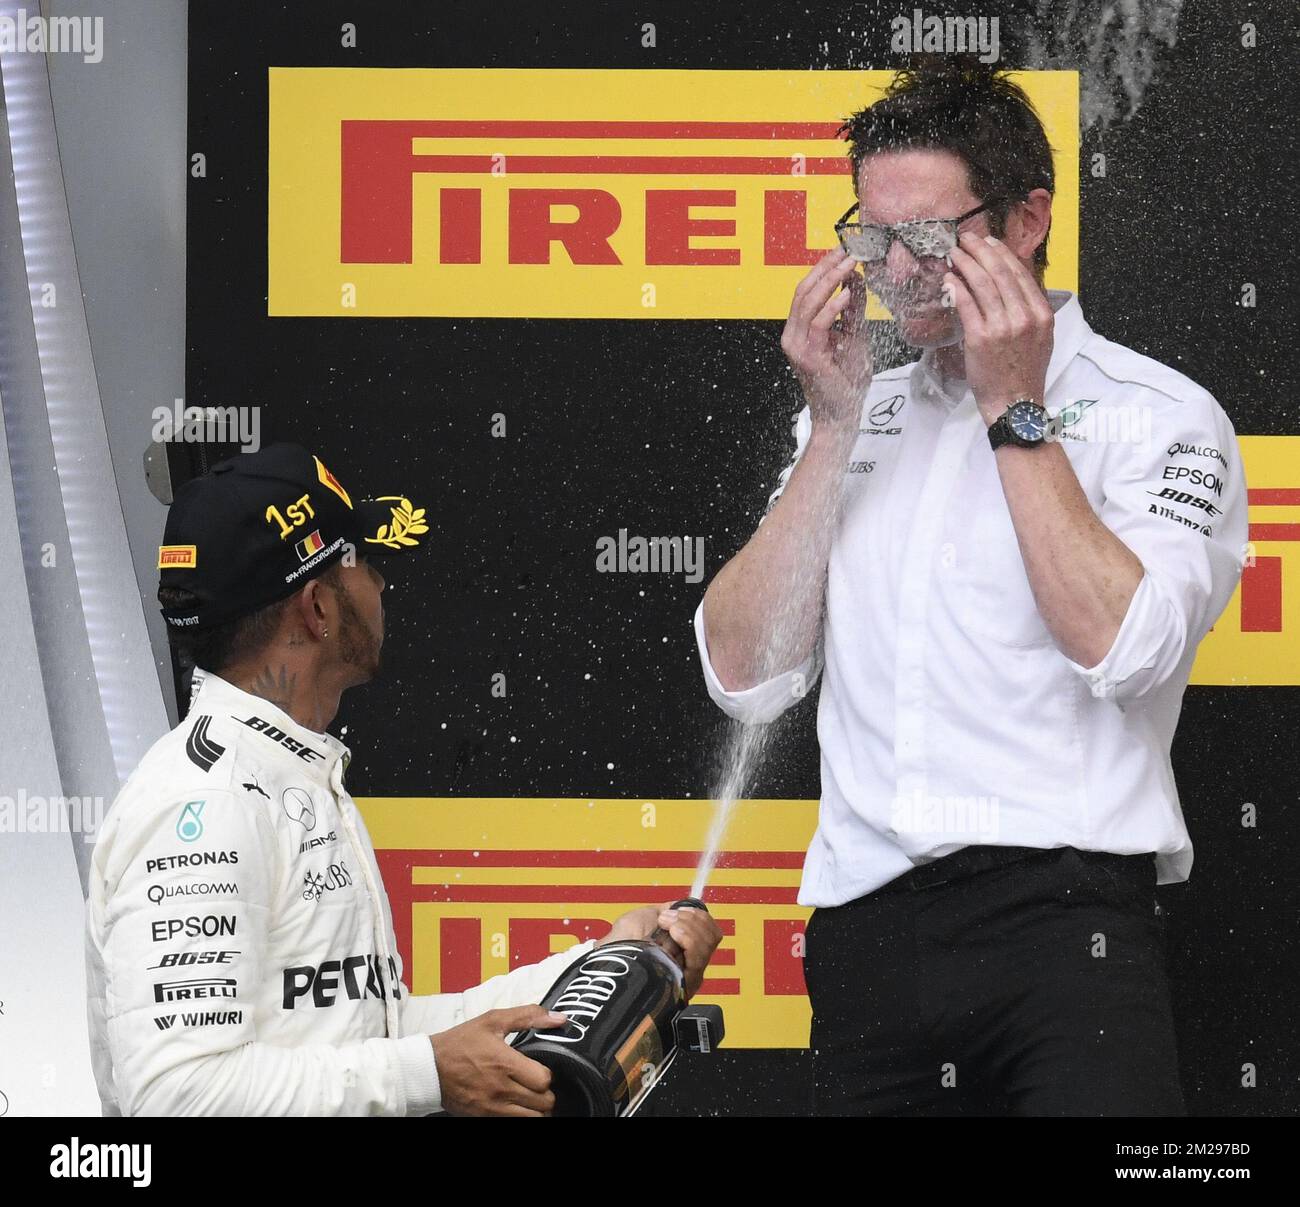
(911, 765)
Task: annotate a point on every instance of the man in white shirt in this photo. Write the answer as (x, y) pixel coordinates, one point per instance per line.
(239, 943)
(1004, 555)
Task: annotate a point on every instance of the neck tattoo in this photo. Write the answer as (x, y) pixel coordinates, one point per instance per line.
(278, 689)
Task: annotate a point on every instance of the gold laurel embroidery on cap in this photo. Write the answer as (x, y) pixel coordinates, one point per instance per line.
(408, 522)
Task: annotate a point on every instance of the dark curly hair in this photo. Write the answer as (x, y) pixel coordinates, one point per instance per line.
(973, 110)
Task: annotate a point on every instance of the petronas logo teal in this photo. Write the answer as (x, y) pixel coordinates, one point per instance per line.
(1071, 414)
(189, 825)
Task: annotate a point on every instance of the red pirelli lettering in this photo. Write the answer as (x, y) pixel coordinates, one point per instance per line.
(378, 161)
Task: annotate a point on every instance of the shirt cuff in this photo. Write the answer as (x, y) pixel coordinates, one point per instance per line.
(417, 1070)
(764, 701)
(1136, 645)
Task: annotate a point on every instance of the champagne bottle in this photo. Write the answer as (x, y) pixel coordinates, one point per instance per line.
(625, 1002)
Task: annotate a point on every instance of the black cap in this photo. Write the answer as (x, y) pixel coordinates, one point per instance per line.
(261, 525)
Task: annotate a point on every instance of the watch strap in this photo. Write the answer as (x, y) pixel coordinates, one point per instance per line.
(999, 432)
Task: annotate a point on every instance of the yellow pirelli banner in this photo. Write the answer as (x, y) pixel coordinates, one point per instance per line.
(480, 886)
(1256, 642)
(578, 193)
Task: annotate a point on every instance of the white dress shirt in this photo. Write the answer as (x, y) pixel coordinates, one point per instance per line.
(948, 716)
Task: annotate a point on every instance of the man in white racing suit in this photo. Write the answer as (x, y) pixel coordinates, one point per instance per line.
(240, 951)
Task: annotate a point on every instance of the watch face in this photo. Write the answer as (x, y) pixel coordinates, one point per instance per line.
(1027, 421)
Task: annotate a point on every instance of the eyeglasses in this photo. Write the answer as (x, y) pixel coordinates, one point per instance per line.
(870, 242)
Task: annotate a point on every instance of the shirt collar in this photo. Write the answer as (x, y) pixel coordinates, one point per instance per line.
(1070, 331)
(316, 755)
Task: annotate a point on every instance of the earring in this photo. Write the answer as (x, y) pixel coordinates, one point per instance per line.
(325, 633)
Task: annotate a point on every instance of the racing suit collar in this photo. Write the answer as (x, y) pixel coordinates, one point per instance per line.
(1070, 331)
(320, 756)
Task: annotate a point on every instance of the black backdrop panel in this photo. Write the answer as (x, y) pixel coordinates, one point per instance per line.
(681, 427)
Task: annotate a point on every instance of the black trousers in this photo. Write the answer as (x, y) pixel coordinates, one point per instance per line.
(996, 981)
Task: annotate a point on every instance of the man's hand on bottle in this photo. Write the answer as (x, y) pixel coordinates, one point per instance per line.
(480, 1074)
(693, 930)
(635, 924)
(698, 935)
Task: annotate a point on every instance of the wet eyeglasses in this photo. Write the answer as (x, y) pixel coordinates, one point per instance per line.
(924, 237)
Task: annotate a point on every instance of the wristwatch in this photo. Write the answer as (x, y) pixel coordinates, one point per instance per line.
(1024, 423)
